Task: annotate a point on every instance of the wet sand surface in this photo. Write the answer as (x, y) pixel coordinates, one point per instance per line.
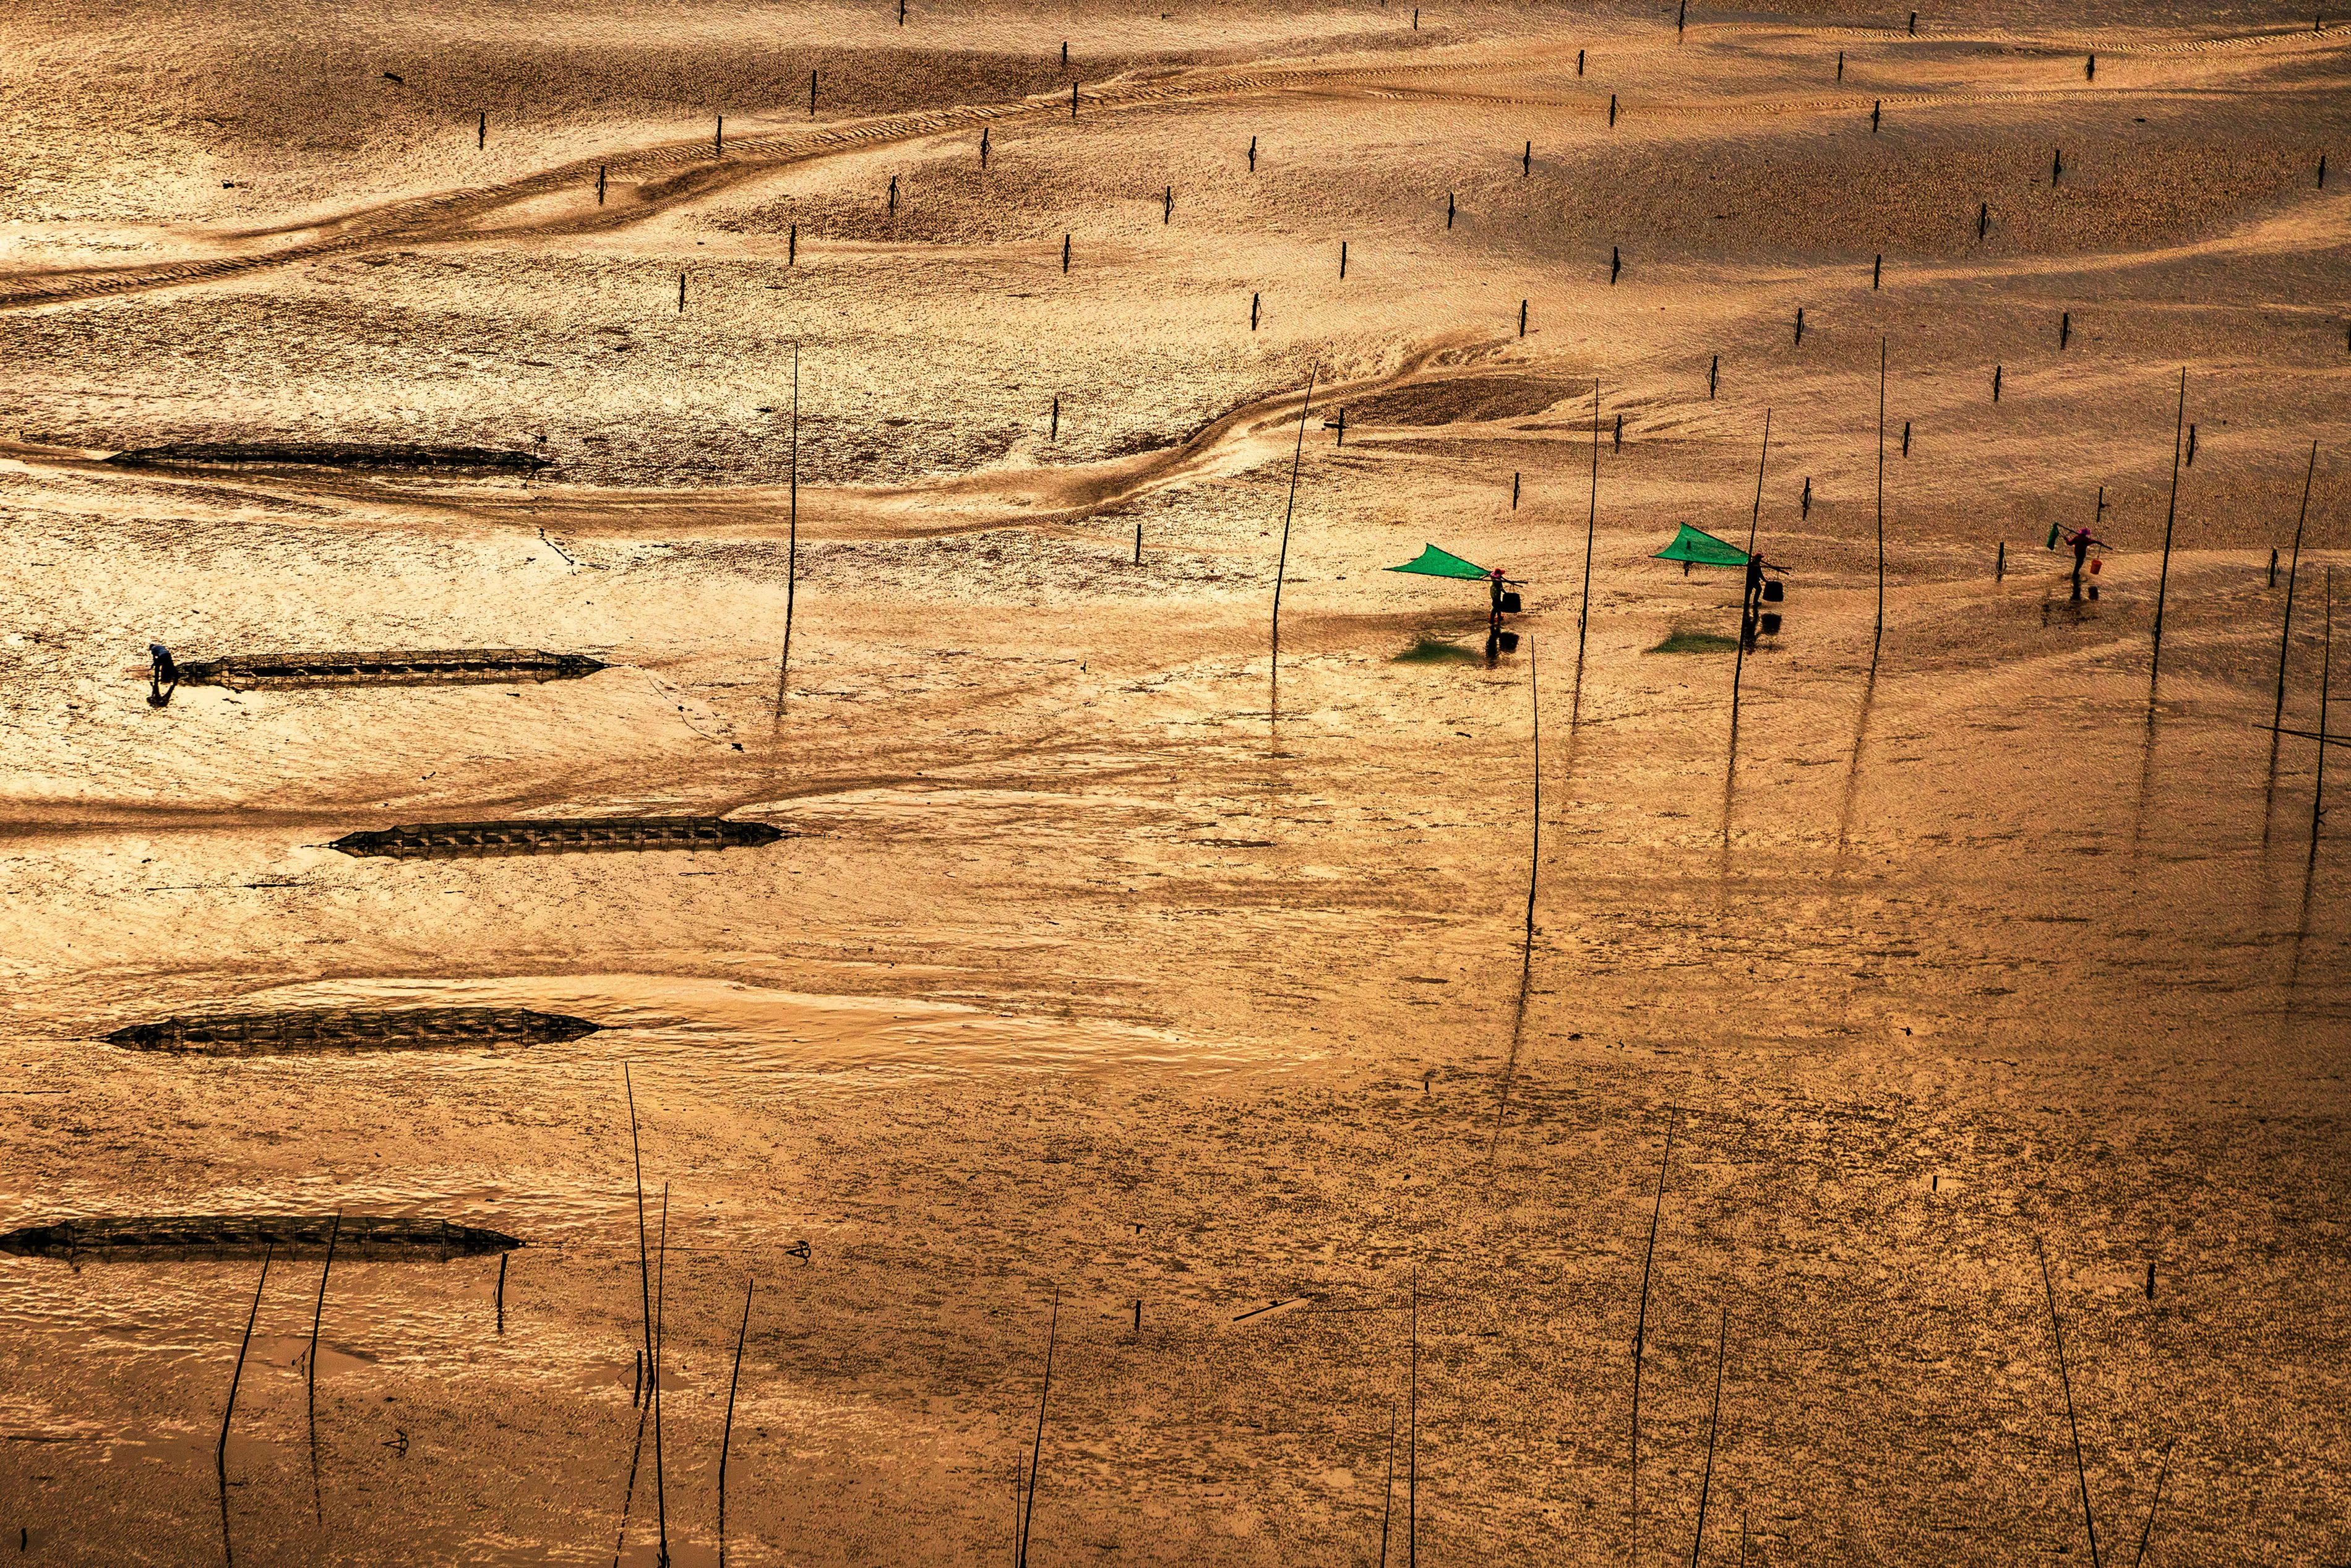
(1103, 967)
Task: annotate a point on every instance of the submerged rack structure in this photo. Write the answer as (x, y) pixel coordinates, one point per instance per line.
(324, 1031)
(422, 667)
(330, 455)
(204, 1236)
(445, 841)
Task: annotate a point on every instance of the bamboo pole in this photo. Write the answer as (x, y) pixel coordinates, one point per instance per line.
(220, 1452)
(1739, 661)
(2171, 513)
(1036, 1457)
(2066, 1379)
(1412, 1443)
(2286, 623)
(792, 549)
(1281, 566)
(727, 1432)
(1591, 526)
(1640, 1331)
(1526, 948)
(1877, 638)
(661, 1290)
(2148, 1532)
(318, 1313)
(1387, 1507)
(2325, 678)
(1713, 1426)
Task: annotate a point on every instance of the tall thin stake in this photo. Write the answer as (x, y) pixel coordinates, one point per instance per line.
(1878, 638)
(661, 1289)
(1713, 1426)
(2148, 1532)
(2325, 677)
(1591, 526)
(1739, 661)
(1640, 1333)
(1387, 1505)
(1036, 1455)
(792, 550)
(2286, 625)
(2065, 1380)
(318, 1313)
(1282, 567)
(1412, 1442)
(727, 1433)
(2163, 581)
(220, 1453)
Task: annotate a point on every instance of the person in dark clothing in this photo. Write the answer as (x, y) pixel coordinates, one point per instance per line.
(2083, 543)
(162, 675)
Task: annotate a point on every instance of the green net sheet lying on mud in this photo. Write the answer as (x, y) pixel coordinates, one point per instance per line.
(1435, 562)
(1701, 549)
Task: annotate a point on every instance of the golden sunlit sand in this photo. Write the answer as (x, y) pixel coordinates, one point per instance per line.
(1103, 987)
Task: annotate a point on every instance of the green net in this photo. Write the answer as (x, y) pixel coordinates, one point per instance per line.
(1701, 549)
(1435, 562)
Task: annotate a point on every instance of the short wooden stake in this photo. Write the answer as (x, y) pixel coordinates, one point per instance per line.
(1448, 209)
(1804, 508)
(811, 95)
(893, 194)
(1906, 438)
(1073, 101)
(1876, 109)
(1995, 383)
(718, 139)
(1252, 155)
(1914, 21)
(1620, 433)
(1053, 431)
(1713, 373)
(1611, 109)
(1514, 492)
(2322, 170)
(1522, 317)
(502, 1293)
(681, 293)
(1578, 62)
(1167, 206)
(1839, 65)
(2272, 581)
(1065, 54)
(2191, 446)
(1138, 1301)
(482, 132)
(2056, 167)
(982, 147)
(1253, 312)
(902, 13)
(1615, 264)
(2090, 68)
(1527, 163)
(1342, 258)
(1065, 253)
(2000, 562)
(792, 246)
(1983, 219)
(2065, 330)
(1800, 325)
(1138, 560)
(599, 184)
(1877, 270)
(1681, 16)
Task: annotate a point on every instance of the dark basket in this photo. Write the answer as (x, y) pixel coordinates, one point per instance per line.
(1774, 591)
(1771, 623)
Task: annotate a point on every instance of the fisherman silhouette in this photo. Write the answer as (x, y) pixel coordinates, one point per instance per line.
(162, 675)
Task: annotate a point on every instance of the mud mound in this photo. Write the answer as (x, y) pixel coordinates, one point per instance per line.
(443, 841)
(176, 1237)
(427, 667)
(346, 1029)
(330, 455)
